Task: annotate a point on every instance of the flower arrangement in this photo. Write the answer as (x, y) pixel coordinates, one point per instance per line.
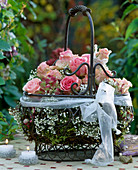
(52, 80)
(64, 127)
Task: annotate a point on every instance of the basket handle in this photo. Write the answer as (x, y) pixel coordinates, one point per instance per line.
(86, 12)
(79, 8)
(73, 12)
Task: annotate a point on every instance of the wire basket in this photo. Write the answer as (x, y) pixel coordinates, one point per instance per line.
(60, 134)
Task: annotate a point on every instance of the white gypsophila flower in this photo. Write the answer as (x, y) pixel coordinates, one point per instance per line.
(33, 75)
(50, 127)
(95, 50)
(37, 109)
(83, 87)
(62, 72)
(54, 132)
(52, 123)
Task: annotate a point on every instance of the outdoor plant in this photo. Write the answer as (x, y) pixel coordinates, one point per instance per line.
(11, 60)
(125, 61)
(7, 128)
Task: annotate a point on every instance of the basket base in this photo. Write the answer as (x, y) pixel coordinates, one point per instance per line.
(66, 155)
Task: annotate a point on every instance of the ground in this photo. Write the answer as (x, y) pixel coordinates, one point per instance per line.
(20, 145)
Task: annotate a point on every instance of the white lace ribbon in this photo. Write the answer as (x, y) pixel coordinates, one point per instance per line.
(104, 108)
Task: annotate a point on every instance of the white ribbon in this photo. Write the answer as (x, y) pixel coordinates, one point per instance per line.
(107, 117)
(123, 100)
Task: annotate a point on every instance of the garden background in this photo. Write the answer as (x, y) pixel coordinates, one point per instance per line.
(31, 30)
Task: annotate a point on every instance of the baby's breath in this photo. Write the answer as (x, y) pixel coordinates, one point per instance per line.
(33, 74)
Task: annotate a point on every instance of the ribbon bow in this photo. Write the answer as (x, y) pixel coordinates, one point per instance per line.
(102, 108)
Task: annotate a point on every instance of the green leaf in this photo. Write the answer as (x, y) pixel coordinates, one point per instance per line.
(13, 75)
(14, 127)
(1, 92)
(112, 55)
(33, 4)
(129, 9)
(3, 123)
(24, 58)
(32, 11)
(1, 137)
(20, 69)
(23, 16)
(9, 100)
(1, 55)
(42, 44)
(117, 39)
(131, 28)
(5, 46)
(11, 121)
(29, 40)
(133, 89)
(13, 90)
(0, 128)
(123, 50)
(9, 14)
(14, 5)
(1, 114)
(124, 3)
(2, 82)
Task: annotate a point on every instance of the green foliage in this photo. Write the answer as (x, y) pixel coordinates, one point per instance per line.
(129, 9)
(5, 46)
(132, 28)
(13, 41)
(7, 128)
(126, 60)
(46, 30)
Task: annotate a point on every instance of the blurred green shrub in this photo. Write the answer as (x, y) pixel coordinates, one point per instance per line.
(47, 27)
(13, 41)
(126, 60)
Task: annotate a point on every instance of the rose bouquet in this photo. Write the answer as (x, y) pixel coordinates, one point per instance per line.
(52, 80)
(64, 127)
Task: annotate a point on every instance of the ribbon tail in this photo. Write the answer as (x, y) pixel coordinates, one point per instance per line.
(105, 153)
(89, 113)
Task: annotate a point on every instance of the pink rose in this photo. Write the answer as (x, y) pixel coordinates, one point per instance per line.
(42, 69)
(100, 75)
(55, 73)
(64, 59)
(67, 53)
(51, 61)
(66, 82)
(87, 56)
(103, 54)
(75, 63)
(122, 86)
(125, 85)
(56, 53)
(32, 86)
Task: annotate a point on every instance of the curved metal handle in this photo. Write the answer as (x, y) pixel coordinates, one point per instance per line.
(86, 12)
(79, 8)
